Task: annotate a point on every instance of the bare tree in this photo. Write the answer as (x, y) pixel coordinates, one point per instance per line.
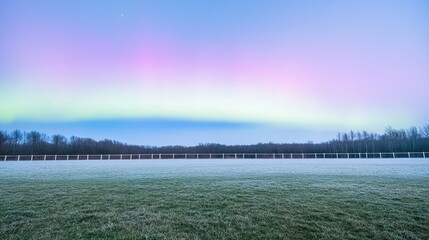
(413, 135)
(412, 139)
(36, 141)
(346, 140)
(15, 138)
(58, 142)
(425, 131)
(4, 137)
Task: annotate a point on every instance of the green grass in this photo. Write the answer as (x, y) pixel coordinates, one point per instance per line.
(243, 207)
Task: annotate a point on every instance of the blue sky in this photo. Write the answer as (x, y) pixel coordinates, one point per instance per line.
(235, 72)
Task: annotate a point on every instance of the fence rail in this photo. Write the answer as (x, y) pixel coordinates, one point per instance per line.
(212, 156)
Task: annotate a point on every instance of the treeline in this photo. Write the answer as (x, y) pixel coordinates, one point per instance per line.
(392, 140)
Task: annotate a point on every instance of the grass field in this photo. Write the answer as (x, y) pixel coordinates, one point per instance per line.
(214, 206)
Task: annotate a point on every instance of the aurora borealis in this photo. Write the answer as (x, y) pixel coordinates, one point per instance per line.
(236, 72)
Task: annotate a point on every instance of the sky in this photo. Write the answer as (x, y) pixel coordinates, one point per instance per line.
(184, 72)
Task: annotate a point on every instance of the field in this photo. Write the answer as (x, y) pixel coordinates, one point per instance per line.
(216, 199)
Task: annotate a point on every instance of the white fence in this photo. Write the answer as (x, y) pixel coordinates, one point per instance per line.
(212, 156)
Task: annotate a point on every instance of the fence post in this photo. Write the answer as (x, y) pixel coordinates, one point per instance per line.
(409, 155)
(223, 155)
(19, 156)
(55, 157)
(256, 155)
(348, 155)
(394, 156)
(68, 157)
(44, 159)
(337, 155)
(424, 155)
(210, 155)
(302, 155)
(87, 157)
(32, 157)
